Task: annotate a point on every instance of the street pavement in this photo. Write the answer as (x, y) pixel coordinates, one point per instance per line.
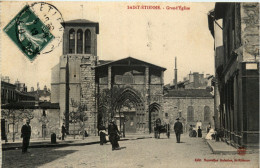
(134, 153)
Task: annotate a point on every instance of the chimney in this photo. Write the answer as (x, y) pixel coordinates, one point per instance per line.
(175, 74)
(32, 89)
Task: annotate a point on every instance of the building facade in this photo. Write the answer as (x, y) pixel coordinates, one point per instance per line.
(235, 28)
(80, 76)
(18, 104)
(191, 106)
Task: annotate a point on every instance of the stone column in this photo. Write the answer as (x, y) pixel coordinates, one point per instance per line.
(147, 99)
(83, 42)
(76, 41)
(109, 77)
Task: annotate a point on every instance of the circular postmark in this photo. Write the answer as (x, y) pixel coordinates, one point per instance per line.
(38, 28)
(52, 18)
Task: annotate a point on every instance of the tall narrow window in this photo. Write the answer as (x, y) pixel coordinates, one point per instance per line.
(79, 41)
(71, 41)
(206, 113)
(87, 41)
(190, 114)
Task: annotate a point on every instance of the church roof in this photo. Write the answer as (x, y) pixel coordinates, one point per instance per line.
(81, 22)
(130, 61)
(189, 93)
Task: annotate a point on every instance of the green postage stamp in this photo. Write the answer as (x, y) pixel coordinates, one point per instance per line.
(28, 32)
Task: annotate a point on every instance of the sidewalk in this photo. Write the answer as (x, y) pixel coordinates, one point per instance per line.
(69, 141)
(221, 147)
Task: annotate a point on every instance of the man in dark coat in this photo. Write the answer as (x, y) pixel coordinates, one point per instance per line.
(63, 131)
(26, 134)
(102, 134)
(113, 135)
(199, 132)
(178, 130)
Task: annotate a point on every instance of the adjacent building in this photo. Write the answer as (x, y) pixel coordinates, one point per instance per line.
(235, 29)
(16, 102)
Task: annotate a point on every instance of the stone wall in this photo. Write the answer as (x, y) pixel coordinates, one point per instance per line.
(172, 106)
(52, 125)
(88, 92)
(250, 31)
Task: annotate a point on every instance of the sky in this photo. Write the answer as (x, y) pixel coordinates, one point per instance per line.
(154, 36)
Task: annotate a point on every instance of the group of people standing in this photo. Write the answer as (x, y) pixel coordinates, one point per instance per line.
(113, 135)
(197, 131)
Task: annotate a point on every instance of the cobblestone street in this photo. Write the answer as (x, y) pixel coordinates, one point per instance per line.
(134, 153)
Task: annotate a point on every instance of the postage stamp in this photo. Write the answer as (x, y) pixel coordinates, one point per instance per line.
(28, 32)
(52, 18)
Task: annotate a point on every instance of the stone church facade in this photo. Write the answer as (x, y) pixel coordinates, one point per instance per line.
(80, 76)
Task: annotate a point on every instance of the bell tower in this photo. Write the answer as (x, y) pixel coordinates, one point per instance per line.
(77, 71)
(80, 37)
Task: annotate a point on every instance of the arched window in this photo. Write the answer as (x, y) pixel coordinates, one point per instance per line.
(79, 41)
(206, 113)
(71, 41)
(87, 42)
(190, 114)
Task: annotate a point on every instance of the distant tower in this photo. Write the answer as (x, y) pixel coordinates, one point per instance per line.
(175, 74)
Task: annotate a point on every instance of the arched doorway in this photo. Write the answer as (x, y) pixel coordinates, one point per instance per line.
(129, 110)
(154, 110)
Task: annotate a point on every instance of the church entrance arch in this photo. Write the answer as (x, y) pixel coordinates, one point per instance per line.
(154, 110)
(130, 111)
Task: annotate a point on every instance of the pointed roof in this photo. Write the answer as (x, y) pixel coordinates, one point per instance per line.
(130, 61)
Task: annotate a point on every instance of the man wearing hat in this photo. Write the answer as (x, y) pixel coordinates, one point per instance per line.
(26, 134)
(178, 130)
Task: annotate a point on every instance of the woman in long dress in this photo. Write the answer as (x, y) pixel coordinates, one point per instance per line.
(113, 135)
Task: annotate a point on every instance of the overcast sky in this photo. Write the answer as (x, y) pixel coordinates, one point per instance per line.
(155, 36)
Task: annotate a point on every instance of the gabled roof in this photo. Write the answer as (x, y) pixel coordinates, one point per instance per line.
(128, 61)
(102, 62)
(189, 93)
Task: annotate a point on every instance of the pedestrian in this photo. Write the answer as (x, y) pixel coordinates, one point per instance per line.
(198, 124)
(26, 135)
(113, 135)
(208, 128)
(190, 131)
(63, 131)
(199, 132)
(102, 134)
(178, 128)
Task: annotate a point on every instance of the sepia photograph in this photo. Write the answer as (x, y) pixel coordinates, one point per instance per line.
(126, 84)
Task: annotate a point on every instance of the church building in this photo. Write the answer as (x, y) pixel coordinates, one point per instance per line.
(80, 77)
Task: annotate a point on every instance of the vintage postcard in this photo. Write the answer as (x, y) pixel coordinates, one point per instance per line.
(129, 84)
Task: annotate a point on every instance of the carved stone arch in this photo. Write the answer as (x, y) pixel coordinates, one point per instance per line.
(154, 111)
(135, 119)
